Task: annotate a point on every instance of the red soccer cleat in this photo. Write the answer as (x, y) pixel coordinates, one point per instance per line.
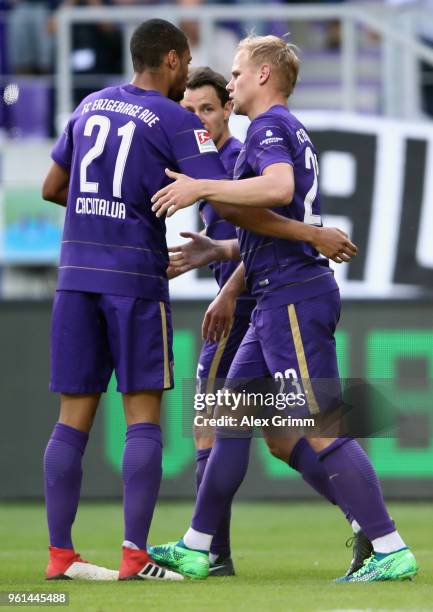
(66, 564)
(137, 565)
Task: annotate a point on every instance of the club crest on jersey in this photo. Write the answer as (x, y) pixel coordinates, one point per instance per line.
(204, 142)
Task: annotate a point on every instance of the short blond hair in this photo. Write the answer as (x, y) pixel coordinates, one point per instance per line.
(277, 52)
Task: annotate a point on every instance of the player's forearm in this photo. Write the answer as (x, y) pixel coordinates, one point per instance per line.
(268, 223)
(260, 191)
(60, 197)
(63, 197)
(173, 273)
(56, 185)
(226, 249)
(223, 250)
(236, 284)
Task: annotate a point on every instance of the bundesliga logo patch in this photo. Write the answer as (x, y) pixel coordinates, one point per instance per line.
(204, 142)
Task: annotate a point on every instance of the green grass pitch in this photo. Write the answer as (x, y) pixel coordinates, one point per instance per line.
(286, 556)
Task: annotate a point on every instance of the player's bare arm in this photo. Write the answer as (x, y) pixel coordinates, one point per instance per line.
(275, 187)
(331, 242)
(56, 185)
(199, 251)
(219, 315)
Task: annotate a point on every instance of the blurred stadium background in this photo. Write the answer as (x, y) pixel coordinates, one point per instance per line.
(365, 94)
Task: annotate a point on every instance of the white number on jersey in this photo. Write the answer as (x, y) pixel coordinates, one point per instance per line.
(126, 132)
(311, 163)
(103, 123)
(289, 374)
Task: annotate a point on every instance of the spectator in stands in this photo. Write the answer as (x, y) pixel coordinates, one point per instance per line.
(425, 33)
(30, 44)
(4, 68)
(141, 2)
(332, 27)
(96, 50)
(4, 8)
(277, 27)
(218, 52)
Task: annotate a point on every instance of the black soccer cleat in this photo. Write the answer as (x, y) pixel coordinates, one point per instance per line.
(362, 550)
(222, 566)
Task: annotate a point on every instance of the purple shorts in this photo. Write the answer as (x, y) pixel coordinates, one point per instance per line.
(216, 357)
(93, 334)
(294, 345)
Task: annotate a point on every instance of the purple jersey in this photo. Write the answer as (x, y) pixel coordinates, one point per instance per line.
(116, 146)
(218, 228)
(283, 271)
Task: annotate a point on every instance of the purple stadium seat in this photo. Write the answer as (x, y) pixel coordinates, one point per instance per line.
(29, 115)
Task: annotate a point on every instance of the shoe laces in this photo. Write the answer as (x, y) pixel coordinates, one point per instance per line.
(165, 547)
(365, 566)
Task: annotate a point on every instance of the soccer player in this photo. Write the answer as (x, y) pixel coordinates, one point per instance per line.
(111, 308)
(293, 325)
(206, 96)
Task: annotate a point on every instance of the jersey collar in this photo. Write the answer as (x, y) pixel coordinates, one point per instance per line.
(138, 91)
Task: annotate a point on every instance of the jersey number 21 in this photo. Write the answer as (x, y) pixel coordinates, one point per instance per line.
(126, 133)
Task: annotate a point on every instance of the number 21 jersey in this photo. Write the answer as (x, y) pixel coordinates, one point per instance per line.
(116, 147)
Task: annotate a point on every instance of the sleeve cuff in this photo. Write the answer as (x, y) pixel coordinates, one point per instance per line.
(265, 163)
(60, 162)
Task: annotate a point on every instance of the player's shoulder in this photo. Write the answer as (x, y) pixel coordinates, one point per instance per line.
(295, 123)
(176, 119)
(278, 113)
(235, 145)
(106, 92)
(231, 147)
(278, 122)
(184, 118)
(229, 154)
(267, 123)
(279, 116)
(91, 97)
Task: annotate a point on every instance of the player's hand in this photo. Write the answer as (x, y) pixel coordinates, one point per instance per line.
(183, 192)
(334, 244)
(198, 252)
(173, 272)
(218, 318)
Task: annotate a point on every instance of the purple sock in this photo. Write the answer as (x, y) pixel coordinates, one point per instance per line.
(142, 471)
(357, 486)
(225, 471)
(221, 541)
(305, 461)
(201, 457)
(62, 479)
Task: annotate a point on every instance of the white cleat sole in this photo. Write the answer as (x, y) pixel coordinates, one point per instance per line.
(89, 571)
(151, 571)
